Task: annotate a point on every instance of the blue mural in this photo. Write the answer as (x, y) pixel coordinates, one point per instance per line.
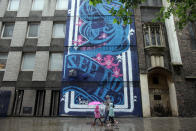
(100, 59)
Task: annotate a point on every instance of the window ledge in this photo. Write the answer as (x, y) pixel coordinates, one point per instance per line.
(61, 9)
(12, 10)
(154, 47)
(27, 70)
(33, 10)
(190, 77)
(54, 70)
(58, 37)
(6, 38)
(31, 37)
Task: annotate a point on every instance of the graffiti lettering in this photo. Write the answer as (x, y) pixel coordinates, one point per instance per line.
(71, 62)
(82, 63)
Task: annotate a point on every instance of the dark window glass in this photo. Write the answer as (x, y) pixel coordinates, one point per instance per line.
(146, 37)
(39, 103)
(8, 30)
(33, 30)
(157, 97)
(158, 36)
(155, 80)
(153, 36)
(192, 31)
(18, 102)
(55, 103)
(3, 60)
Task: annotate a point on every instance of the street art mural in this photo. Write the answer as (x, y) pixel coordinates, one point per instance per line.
(100, 59)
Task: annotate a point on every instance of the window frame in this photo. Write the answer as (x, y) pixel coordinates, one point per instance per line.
(22, 64)
(3, 29)
(6, 61)
(55, 23)
(9, 4)
(27, 36)
(147, 28)
(50, 58)
(32, 6)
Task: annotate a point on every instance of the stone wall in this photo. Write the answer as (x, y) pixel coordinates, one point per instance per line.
(186, 81)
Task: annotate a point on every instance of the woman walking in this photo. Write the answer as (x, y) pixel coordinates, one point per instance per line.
(97, 115)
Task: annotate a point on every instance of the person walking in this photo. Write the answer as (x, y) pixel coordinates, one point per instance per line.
(111, 113)
(107, 103)
(97, 115)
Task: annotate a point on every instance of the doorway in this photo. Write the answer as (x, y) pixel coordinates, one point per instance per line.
(159, 95)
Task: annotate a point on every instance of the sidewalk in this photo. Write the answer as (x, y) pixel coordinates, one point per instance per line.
(84, 124)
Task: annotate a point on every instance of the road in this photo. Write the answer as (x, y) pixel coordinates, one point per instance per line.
(85, 124)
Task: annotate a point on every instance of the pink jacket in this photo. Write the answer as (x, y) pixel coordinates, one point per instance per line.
(97, 113)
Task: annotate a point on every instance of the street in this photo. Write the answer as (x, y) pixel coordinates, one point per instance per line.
(85, 124)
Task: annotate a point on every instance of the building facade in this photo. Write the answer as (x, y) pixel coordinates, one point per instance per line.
(56, 56)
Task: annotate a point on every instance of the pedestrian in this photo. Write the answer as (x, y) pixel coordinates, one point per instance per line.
(111, 113)
(107, 103)
(97, 115)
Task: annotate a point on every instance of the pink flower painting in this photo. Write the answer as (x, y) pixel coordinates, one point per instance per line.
(98, 58)
(116, 72)
(79, 41)
(79, 22)
(109, 62)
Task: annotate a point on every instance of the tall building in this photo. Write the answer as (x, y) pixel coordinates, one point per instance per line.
(56, 56)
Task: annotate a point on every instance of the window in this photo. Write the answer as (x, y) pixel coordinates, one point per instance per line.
(61, 4)
(13, 5)
(157, 97)
(7, 31)
(58, 30)
(155, 80)
(38, 5)
(33, 30)
(192, 31)
(3, 60)
(56, 62)
(39, 103)
(28, 62)
(54, 108)
(152, 2)
(153, 35)
(18, 102)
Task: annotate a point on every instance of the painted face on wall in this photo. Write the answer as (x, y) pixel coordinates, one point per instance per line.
(97, 32)
(98, 50)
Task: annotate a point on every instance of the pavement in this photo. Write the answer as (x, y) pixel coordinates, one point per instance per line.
(85, 124)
